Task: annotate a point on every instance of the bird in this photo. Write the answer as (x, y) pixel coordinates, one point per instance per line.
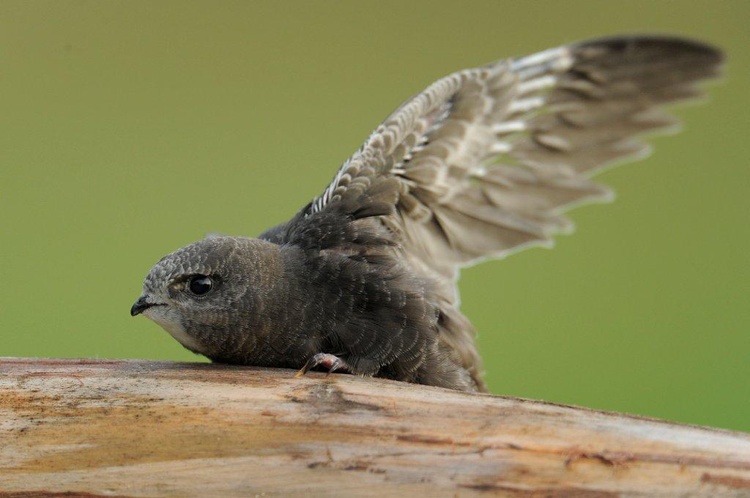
(481, 164)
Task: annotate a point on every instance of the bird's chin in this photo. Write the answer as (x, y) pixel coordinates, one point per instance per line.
(174, 327)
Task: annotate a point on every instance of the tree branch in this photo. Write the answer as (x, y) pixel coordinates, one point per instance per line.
(141, 428)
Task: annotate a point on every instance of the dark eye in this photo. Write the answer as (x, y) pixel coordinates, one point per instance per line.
(200, 284)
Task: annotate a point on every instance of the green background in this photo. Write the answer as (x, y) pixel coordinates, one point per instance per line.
(128, 129)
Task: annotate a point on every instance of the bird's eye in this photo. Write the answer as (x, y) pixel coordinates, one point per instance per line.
(200, 284)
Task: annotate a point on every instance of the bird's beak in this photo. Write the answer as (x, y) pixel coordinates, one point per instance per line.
(140, 306)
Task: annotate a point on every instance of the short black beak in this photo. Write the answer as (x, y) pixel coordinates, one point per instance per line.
(140, 306)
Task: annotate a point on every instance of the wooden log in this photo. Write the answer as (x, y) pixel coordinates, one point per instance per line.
(146, 429)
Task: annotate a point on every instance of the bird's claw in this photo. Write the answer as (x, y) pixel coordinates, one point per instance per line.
(330, 362)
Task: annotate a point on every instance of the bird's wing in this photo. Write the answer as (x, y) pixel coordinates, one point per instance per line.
(485, 161)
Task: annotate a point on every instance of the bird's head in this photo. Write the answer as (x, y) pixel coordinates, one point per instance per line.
(199, 291)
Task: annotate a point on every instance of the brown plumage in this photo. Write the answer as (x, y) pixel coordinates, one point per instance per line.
(480, 164)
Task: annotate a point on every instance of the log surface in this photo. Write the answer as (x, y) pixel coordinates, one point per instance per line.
(141, 428)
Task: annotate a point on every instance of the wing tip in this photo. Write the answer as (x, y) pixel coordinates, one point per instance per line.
(658, 41)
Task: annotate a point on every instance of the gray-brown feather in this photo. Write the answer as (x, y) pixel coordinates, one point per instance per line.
(482, 163)
(486, 160)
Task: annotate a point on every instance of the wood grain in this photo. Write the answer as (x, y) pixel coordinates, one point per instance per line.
(141, 428)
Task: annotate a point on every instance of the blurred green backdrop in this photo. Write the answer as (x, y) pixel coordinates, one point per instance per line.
(128, 129)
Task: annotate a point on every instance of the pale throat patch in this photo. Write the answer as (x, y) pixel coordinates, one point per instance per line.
(174, 327)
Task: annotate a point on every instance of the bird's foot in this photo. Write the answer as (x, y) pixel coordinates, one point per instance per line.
(331, 363)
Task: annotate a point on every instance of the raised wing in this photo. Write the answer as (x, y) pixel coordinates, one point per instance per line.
(485, 161)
